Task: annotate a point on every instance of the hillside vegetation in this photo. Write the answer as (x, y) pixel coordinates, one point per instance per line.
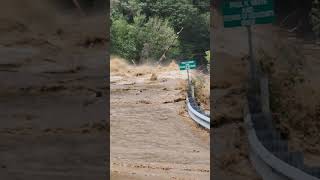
(149, 30)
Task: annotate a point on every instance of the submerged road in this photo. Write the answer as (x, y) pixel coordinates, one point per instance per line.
(152, 136)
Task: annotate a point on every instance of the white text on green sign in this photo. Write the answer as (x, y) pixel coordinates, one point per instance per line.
(247, 12)
(188, 62)
(185, 65)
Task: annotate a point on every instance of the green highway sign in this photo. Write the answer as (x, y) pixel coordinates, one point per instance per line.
(186, 65)
(247, 12)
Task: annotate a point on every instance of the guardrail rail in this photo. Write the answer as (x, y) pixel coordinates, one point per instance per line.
(196, 112)
(269, 152)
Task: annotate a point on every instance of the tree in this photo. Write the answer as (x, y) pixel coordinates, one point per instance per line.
(124, 39)
(142, 39)
(193, 16)
(159, 35)
(159, 21)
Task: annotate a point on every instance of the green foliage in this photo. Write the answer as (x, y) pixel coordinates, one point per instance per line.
(141, 40)
(153, 26)
(125, 8)
(195, 37)
(177, 11)
(158, 35)
(124, 39)
(194, 18)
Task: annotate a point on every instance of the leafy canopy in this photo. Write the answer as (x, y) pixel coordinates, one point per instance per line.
(145, 29)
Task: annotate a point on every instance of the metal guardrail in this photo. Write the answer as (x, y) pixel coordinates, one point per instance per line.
(269, 153)
(196, 113)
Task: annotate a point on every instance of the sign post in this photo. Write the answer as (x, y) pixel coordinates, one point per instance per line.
(252, 62)
(247, 13)
(186, 65)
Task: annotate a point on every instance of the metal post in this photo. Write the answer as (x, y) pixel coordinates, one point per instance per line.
(252, 62)
(192, 91)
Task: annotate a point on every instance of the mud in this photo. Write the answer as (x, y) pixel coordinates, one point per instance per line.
(290, 62)
(295, 94)
(230, 73)
(53, 123)
(151, 138)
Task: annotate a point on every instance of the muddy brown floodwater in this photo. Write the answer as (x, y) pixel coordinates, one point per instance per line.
(230, 145)
(286, 57)
(52, 98)
(152, 137)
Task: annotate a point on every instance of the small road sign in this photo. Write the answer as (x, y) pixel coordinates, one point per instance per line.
(247, 12)
(186, 65)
